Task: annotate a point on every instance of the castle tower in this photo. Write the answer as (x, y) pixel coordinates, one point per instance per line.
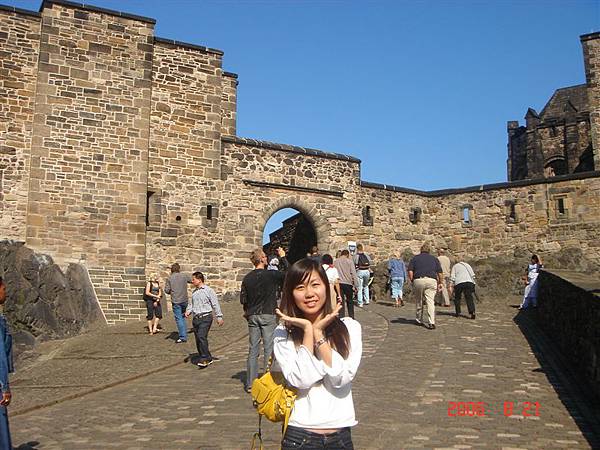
(591, 59)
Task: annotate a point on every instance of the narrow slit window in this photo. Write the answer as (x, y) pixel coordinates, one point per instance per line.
(512, 213)
(367, 216)
(466, 214)
(209, 212)
(149, 195)
(415, 215)
(560, 206)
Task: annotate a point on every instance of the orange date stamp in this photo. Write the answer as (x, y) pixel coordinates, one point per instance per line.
(483, 409)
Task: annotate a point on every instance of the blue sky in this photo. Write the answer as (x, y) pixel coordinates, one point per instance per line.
(420, 91)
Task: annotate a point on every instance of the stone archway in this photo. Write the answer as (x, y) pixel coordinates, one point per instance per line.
(311, 228)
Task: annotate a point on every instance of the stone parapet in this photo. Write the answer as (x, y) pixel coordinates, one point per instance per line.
(569, 311)
(288, 148)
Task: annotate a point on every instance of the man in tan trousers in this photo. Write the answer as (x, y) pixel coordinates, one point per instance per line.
(443, 298)
(425, 272)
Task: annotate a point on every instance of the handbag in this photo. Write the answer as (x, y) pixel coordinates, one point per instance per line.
(273, 398)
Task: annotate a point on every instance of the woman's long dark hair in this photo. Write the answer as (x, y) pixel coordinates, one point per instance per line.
(336, 332)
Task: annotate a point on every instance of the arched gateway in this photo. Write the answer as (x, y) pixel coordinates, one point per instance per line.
(299, 232)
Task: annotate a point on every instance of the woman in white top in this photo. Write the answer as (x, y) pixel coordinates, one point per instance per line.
(531, 289)
(319, 354)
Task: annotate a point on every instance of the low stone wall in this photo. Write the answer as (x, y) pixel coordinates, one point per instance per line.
(569, 312)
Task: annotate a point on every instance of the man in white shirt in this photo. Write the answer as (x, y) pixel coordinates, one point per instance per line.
(462, 280)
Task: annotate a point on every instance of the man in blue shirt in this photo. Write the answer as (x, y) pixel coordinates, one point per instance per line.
(425, 272)
(204, 303)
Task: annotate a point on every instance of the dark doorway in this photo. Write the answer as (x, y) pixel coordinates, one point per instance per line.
(291, 230)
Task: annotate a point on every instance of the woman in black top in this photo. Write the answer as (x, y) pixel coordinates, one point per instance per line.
(152, 296)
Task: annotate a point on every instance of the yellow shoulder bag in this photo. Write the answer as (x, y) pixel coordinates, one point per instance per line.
(273, 398)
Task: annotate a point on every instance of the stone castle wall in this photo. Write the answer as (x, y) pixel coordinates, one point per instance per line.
(502, 218)
(135, 165)
(19, 52)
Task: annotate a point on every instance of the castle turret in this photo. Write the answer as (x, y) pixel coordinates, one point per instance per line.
(591, 60)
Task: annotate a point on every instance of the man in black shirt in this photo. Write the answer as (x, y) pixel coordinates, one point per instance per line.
(425, 272)
(258, 297)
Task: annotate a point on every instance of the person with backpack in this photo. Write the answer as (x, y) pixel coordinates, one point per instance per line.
(363, 263)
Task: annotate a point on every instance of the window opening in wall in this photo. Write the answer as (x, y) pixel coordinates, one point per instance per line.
(209, 212)
(367, 217)
(466, 214)
(178, 218)
(512, 214)
(149, 195)
(415, 215)
(560, 206)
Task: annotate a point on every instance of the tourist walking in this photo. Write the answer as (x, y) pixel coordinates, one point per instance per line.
(425, 272)
(397, 273)
(314, 254)
(204, 304)
(348, 281)
(444, 297)
(177, 286)
(363, 263)
(319, 354)
(258, 296)
(152, 296)
(462, 281)
(6, 367)
(333, 277)
(531, 289)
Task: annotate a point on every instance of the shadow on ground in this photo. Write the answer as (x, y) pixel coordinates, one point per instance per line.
(33, 445)
(572, 388)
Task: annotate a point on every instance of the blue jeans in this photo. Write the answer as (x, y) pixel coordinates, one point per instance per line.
(5, 443)
(178, 312)
(363, 286)
(259, 325)
(299, 438)
(396, 285)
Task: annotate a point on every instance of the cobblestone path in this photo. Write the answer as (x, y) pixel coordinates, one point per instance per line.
(407, 379)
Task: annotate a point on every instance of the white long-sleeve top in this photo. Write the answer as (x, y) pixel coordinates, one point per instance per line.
(324, 393)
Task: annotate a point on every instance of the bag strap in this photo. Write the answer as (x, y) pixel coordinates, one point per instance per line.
(257, 435)
(469, 271)
(288, 413)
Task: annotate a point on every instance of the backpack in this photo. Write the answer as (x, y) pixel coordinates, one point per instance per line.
(363, 261)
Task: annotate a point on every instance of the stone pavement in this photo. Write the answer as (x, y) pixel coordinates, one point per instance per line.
(407, 378)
